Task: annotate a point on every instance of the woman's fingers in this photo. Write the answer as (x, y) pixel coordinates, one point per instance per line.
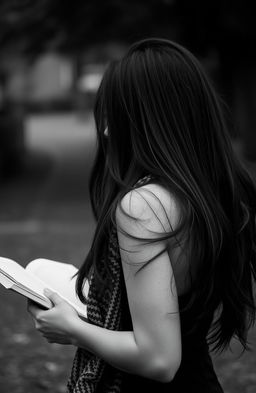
(53, 296)
(32, 308)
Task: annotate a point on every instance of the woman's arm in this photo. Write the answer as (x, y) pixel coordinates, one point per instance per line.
(153, 348)
(119, 348)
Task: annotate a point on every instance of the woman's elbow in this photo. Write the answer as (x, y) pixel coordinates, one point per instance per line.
(164, 372)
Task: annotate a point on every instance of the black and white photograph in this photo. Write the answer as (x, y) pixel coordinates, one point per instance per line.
(127, 196)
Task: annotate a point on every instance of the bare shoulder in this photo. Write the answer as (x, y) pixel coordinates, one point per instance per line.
(151, 203)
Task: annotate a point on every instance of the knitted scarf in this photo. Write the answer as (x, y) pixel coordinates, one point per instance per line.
(91, 374)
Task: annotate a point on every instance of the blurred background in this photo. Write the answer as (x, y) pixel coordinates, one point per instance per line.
(52, 57)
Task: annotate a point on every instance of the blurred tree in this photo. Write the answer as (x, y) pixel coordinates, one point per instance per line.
(34, 25)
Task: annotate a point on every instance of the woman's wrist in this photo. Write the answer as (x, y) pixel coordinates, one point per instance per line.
(77, 324)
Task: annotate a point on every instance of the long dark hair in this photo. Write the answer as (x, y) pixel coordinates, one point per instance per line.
(164, 119)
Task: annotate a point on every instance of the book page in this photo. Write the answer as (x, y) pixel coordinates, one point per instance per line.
(12, 271)
(58, 277)
(5, 281)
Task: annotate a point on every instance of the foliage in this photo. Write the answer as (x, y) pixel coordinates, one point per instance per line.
(34, 25)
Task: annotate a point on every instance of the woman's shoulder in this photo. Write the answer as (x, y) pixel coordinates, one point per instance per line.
(152, 200)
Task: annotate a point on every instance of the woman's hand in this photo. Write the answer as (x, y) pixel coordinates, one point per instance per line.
(55, 324)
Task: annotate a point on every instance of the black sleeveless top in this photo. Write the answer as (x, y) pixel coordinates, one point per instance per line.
(196, 373)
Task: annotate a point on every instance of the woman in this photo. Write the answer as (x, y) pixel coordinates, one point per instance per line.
(173, 260)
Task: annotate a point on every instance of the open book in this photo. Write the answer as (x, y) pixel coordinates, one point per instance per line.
(40, 274)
